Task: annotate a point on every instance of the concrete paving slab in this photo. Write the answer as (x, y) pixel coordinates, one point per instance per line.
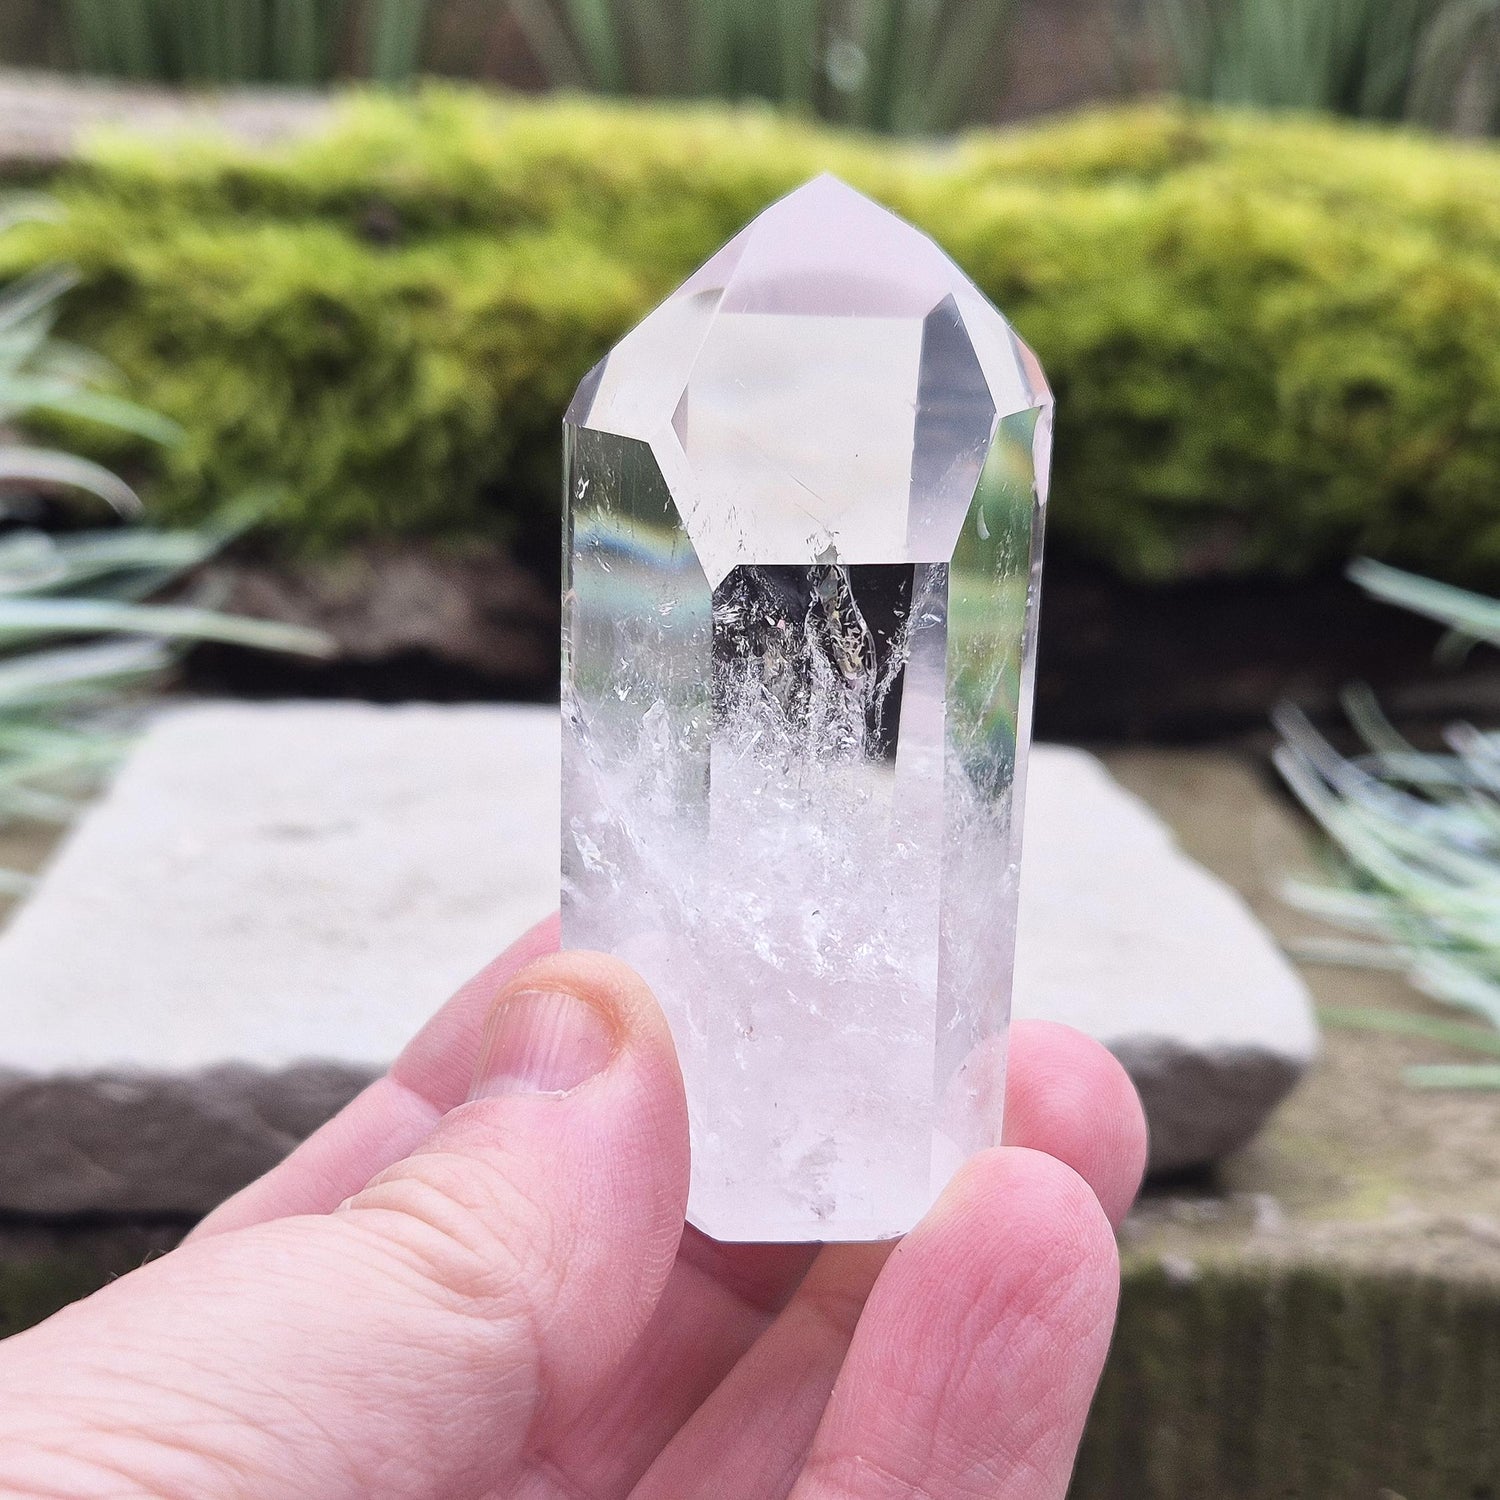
(272, 898)
(1125, 937)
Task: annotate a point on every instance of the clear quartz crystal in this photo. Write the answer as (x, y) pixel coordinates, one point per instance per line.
(804, 506)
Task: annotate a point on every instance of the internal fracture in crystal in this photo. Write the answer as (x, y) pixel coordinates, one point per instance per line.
(804, 506)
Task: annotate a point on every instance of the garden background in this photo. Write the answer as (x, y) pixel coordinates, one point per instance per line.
(314, 281)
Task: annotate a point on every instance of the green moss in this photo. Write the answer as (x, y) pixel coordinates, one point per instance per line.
(1272, 341)
(1250, 1382)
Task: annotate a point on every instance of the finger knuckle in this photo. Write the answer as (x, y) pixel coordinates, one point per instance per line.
(462, 1227)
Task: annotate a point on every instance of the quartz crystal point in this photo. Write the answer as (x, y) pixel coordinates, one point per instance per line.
(804, 507)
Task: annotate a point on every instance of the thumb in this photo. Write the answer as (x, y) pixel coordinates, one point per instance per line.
(430, 1336)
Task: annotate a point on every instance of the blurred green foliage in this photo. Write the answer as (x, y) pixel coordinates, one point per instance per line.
(1352, 57)
(1434, 61)
(244, 41)
(904, 66)
(1417, 840)
(1272, 341)
(908, 66)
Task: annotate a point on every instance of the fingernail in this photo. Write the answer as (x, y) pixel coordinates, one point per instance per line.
(542, 1042)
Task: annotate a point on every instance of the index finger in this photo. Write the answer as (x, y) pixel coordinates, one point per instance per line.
(976, 1357)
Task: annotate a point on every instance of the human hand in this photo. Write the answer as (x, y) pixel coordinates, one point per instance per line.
(439, 1299)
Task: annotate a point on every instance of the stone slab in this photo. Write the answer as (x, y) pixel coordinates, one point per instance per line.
(265, 886)
(1128, 939)
(272, 898)
(45, 118)
(268, 902)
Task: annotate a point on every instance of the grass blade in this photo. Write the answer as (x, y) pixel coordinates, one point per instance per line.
(1409, 1023)
(551, 44)
(974, 47)
(397, 31)
(1467, 613)
(880, 64)
(24, 300)
(47, 691)
(711, 49)
(1453, 1076)
(654, 39)
(53, 470)
(28, 618)
(1419, 835)
(1353, 57)
(41, 679)
(22, 394)
(797, 48)
(592, 23)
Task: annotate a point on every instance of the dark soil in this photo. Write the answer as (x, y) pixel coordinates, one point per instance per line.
(1120, 663)
(1201, 661)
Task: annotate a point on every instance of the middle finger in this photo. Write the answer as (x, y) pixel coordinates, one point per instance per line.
(1065, 1096)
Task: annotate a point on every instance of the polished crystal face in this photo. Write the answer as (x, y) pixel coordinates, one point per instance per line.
(803, 525)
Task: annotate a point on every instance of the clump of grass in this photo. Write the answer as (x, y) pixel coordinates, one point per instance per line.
(1418, 834)
(302, 42)
(76, 641)
(78, 632)
(1427, 60)
(908, 67)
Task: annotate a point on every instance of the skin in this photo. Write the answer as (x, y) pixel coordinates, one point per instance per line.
(437, 1298)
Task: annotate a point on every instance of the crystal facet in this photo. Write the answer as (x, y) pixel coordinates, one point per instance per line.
(803, 527)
